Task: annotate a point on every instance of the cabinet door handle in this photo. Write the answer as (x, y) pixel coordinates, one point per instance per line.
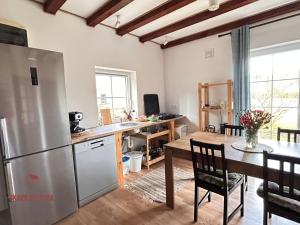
(4, 138)
(10, 182)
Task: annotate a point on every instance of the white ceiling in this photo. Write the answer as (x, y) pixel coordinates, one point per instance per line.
(85, 8)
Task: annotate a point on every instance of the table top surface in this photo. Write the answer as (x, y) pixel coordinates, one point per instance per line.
(282, 147)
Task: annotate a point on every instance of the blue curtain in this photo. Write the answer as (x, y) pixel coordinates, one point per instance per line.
(240, 41)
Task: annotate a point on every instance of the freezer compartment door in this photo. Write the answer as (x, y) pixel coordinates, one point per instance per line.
(41, 187)
(33, 100)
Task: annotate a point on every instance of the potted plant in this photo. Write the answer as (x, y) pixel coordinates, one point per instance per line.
(252, 121)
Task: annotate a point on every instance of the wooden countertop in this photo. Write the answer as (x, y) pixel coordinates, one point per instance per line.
(111, 129)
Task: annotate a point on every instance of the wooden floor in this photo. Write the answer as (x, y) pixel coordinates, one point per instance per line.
(122, 207)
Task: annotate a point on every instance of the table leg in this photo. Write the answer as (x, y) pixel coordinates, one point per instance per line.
(171, 126)
(169, 175)
(118, 137)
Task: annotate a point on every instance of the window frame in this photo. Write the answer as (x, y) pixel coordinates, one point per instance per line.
(129, 75)
(286, 47)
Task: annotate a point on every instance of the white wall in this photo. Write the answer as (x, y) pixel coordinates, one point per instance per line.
(275, 33)
(186, 65)
(84, 48)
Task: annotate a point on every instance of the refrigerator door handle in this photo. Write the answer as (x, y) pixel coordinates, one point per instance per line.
(4, 138)
(10, 182)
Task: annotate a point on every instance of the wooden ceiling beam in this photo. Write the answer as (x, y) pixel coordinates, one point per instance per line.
(154, 14)
(197, 18)
(269, 14)
(107, 10)
(52, 6)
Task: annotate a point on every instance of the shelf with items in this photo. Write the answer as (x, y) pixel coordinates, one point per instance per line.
(151, 141)
(203, 102)
(153, 161)
(150, 136)
(209, 109)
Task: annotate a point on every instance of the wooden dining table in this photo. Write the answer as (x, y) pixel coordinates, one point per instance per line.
(250, 164)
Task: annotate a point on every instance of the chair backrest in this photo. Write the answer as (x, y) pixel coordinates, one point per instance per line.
(284, 161)
(205, 161)
(106, 116)
(288, 132)
(235, 130)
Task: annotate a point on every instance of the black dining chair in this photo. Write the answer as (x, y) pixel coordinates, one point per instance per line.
(210, 171)
(280, 199)
(288, 132)
(234, 130)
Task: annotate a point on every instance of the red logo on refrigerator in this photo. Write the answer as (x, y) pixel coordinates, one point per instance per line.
(33, 178)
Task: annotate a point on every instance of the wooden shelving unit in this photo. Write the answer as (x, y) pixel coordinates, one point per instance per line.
(211, 109)
(148, 137)
(153, 161)
(203, 93)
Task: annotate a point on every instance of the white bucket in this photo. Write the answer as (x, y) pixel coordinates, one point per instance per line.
(135, 161)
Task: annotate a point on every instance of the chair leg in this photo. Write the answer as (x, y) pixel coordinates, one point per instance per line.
(242, 198)
(225, 213)
(209, 197)
(246, 182)
(196, 200)
(265, 215)
(270, 215)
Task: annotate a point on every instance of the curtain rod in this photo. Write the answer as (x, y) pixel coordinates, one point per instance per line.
(263, 24)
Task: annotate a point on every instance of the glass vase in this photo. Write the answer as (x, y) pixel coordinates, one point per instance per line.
(251, 138)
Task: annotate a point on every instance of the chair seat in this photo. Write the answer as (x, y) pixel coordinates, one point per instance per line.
(279, 200)
(233, 179)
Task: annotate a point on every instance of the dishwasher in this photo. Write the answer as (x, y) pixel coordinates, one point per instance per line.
(96, 168)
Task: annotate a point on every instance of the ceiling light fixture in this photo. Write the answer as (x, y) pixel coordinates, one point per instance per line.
(118, 22)
(213, 5)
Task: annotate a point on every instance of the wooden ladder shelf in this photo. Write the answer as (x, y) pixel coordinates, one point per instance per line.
(203, 92)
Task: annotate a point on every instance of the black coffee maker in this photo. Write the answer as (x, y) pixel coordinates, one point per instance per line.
(75, 118)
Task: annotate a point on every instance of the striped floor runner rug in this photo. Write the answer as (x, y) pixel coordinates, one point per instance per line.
(152, 185)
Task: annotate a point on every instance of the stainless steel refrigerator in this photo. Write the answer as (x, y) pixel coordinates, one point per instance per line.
(37, 181)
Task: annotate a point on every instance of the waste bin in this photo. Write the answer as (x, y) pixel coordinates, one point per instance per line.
(135, 161)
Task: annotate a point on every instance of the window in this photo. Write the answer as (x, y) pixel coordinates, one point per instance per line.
(274, 85)
(114, 92)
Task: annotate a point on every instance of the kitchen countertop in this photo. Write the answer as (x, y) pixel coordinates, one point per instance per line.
(111, 129)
